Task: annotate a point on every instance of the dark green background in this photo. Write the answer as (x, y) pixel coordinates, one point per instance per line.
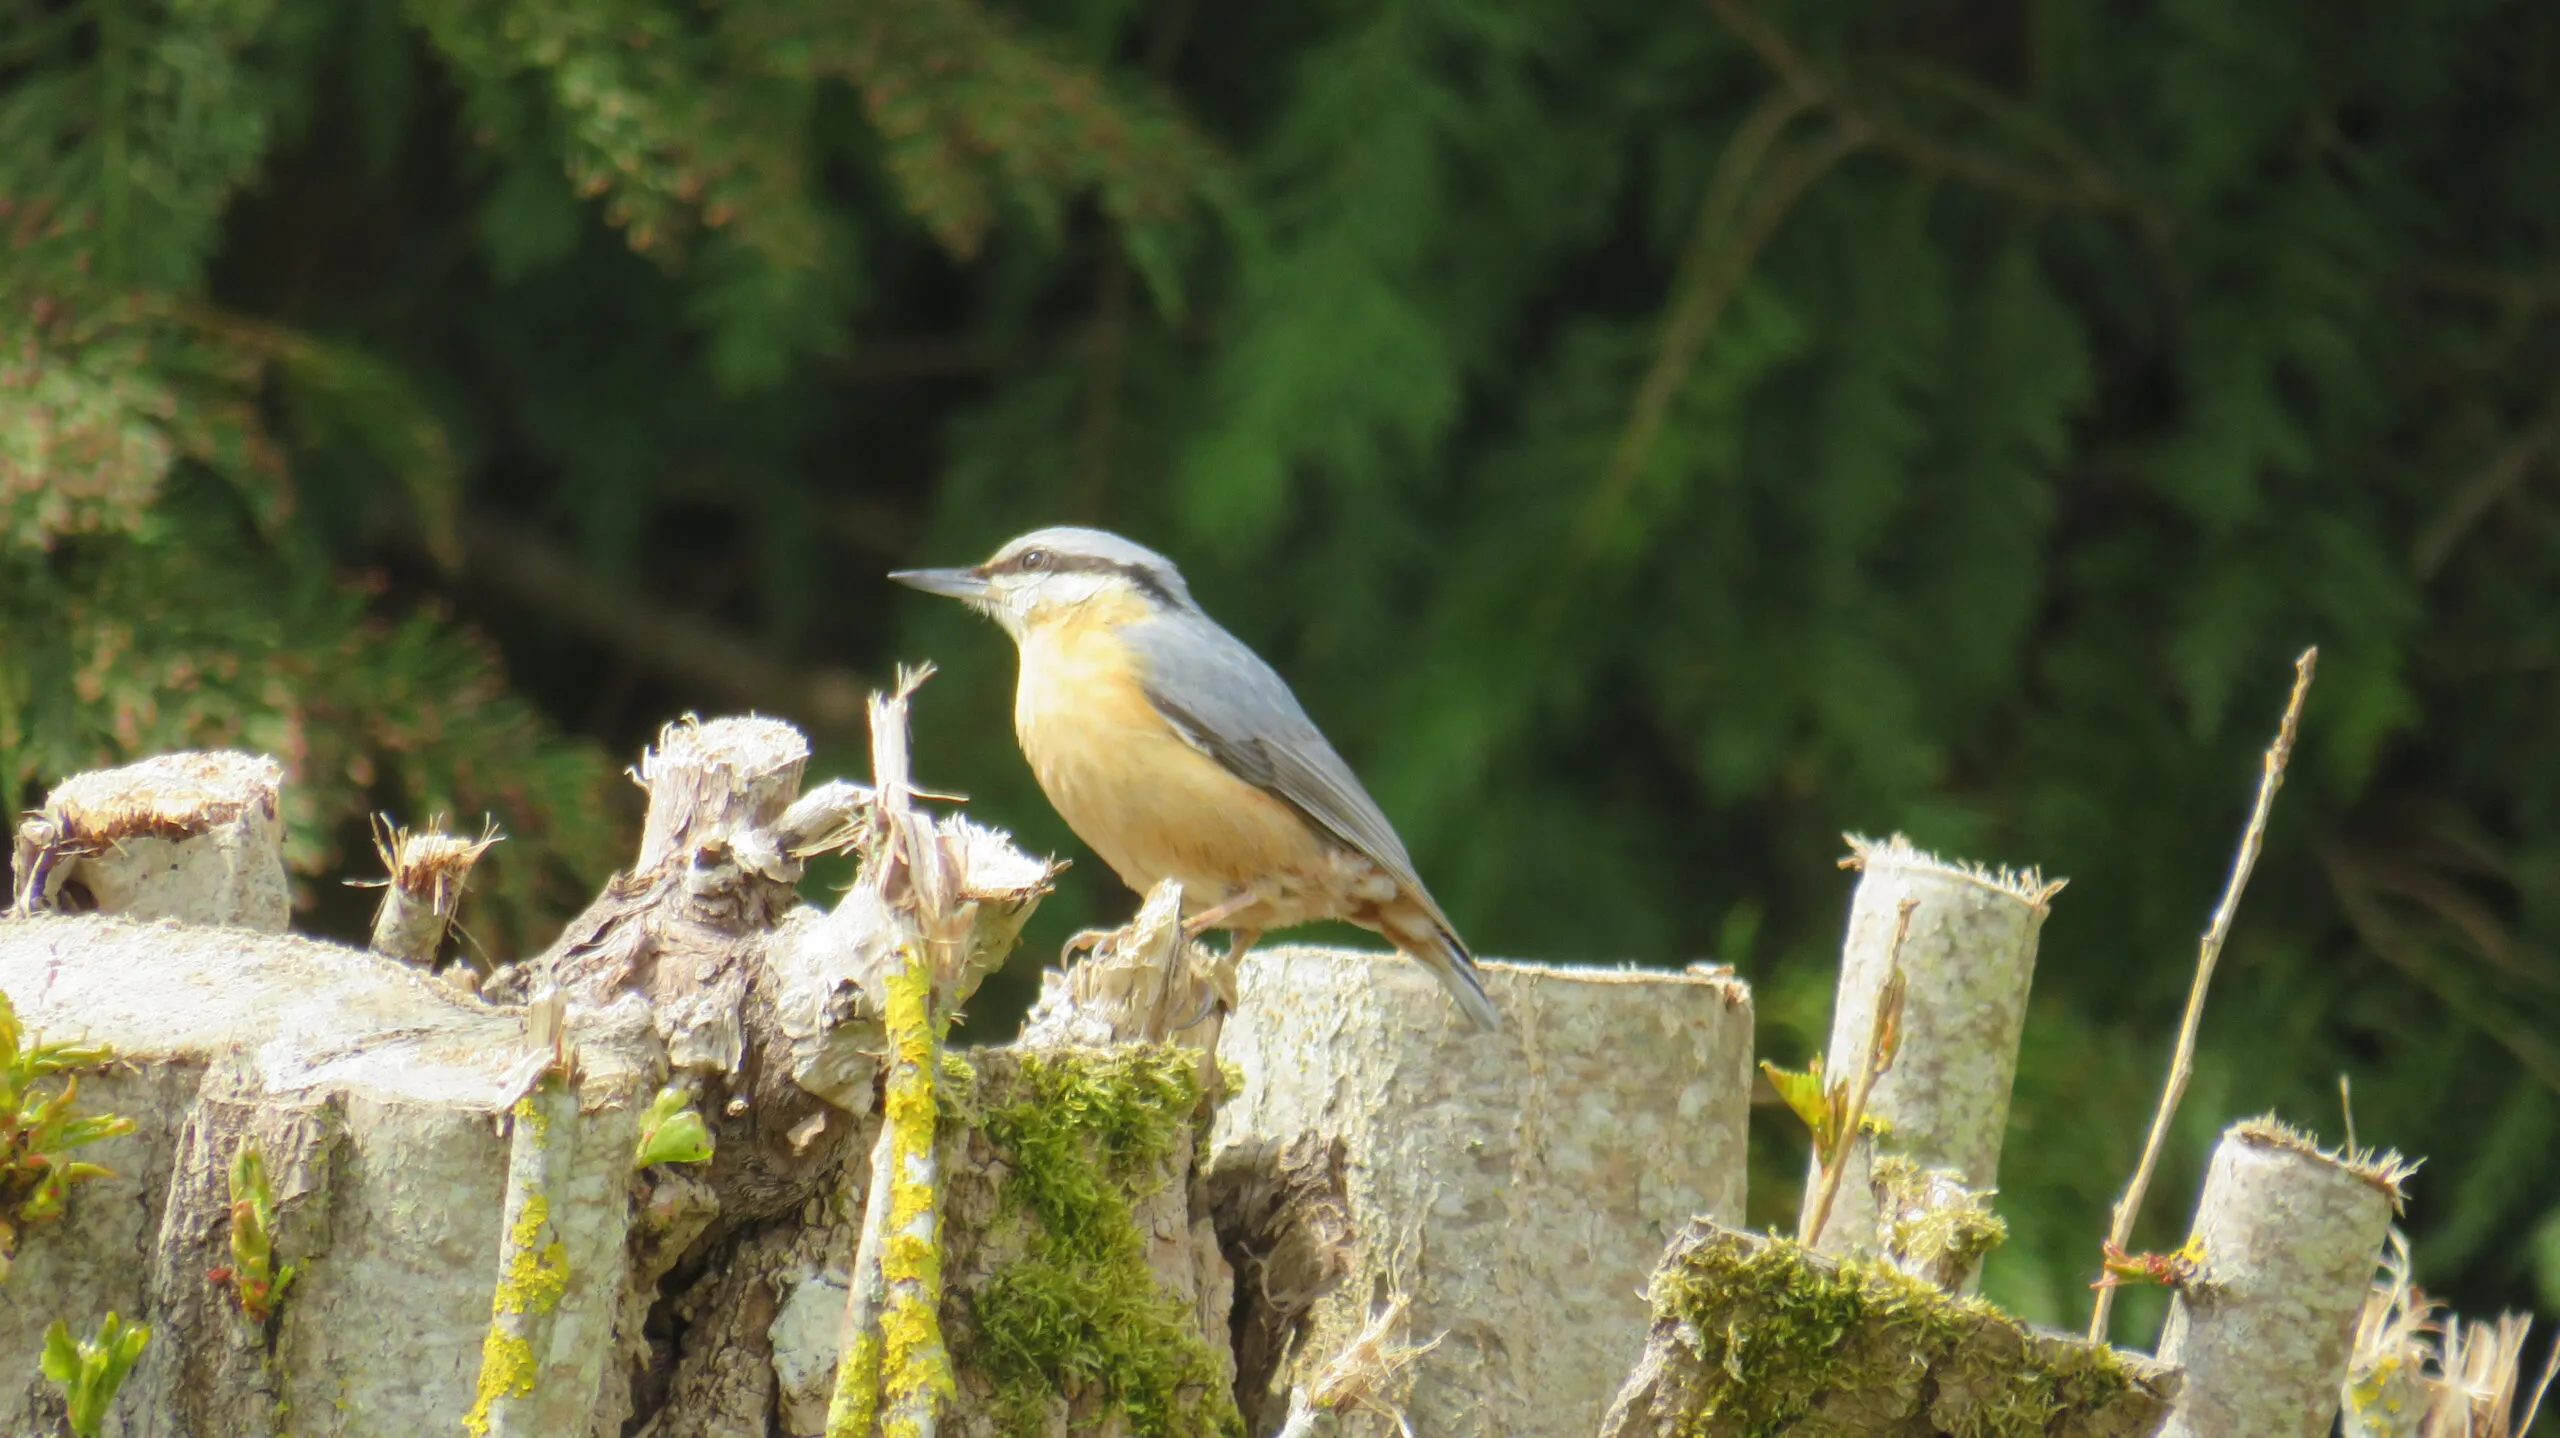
(1654, 437)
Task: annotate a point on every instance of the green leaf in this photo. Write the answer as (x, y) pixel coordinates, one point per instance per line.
(61, 1356)
(672, 1132)
(1821, 1109)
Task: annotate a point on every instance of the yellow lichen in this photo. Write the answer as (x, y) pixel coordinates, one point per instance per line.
(858, 1389)
(537, 1273)
(890, 1376)
(915, 1370)
(534, 1280)
(507, 1370)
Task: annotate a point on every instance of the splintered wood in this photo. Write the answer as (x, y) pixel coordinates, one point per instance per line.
(196, 837)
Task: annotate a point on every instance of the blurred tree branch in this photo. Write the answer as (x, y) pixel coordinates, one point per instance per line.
(2084, 184)
(2492, 482)
(2356, 879)
(666, 641)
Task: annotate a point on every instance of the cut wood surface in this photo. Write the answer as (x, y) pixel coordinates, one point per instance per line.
(378, 1094)
(1515, 1187)
(183, 836)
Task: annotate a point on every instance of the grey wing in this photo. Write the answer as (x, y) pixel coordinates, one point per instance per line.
(1239, 710)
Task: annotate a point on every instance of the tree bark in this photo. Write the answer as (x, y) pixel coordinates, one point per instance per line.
(379, 1098)
(2290, 1236)
(1967, 961)
(1514, 1186)
(373, 1093)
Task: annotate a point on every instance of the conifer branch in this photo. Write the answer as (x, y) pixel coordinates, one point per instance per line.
(2504, 1024)
(2208, 953)
(1718, 260)
(2086, 187)
(1107, 338)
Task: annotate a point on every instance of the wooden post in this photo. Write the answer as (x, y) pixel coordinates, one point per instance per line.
(1967, 961)
(2289, 1235)
(1514, 1188)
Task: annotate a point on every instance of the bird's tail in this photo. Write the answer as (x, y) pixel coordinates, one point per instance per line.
(1431, 944)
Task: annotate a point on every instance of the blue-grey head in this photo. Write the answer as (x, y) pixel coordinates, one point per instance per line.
(1049, 574)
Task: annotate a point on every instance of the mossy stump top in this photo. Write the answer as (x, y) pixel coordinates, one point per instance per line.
(1755, 1337)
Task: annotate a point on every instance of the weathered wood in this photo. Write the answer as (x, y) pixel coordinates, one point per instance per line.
(683, 925)
(1144, 983)
(1967, 961)
(182, 836)
(770, 1306)
(378, 1091)
(2289, 1236)
(425, 873)
(542, 1360)
(385, 1096)
(1514, 1186)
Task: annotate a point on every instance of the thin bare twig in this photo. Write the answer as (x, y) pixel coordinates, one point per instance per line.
(1881, 1037)
(2523, 292)
(2208, 952)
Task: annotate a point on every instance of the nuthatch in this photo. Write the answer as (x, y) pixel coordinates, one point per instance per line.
(1175, 752)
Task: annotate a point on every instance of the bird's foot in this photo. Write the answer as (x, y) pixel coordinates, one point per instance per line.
(1085, 943)
(1220, 972)
(1217, 917)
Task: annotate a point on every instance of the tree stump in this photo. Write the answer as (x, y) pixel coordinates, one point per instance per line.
(2287, 1237)
(1513, 1187)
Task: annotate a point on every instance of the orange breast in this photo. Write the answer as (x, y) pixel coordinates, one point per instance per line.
(1148, 803)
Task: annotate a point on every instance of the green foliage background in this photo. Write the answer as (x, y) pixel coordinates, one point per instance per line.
(1654, 437)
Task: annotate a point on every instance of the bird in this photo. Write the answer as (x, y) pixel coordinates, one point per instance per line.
(1173, 751)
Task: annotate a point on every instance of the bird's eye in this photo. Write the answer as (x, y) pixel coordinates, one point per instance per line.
(1031, 561)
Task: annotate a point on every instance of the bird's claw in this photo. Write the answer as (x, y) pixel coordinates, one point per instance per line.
(1084, 943)
(1221, 975)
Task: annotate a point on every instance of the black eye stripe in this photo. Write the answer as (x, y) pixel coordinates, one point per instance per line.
(1050, 561)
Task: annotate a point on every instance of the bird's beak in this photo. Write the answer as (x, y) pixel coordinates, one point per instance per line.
(950, 583)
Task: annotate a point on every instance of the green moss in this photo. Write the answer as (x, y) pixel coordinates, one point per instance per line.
(1084, 1135)
(1781, 1340)
(1935, 1223)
